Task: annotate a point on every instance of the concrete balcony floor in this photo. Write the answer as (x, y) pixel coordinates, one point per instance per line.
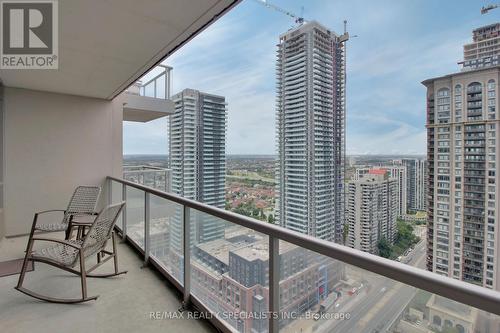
(124, 304)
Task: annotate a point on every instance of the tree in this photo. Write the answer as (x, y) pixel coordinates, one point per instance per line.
(345, 232)
(270, 218)
(405, 237)
(262, 216)
(384, 248)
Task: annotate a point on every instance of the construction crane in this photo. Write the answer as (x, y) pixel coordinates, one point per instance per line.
(486, 9)
(298, 19)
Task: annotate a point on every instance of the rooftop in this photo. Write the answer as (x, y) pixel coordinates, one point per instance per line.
(377, 171)
(219, 249)
(307, 26)
(458, 74)
(254, 251)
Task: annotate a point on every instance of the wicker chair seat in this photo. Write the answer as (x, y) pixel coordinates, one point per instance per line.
(51, 227)
(66, 255)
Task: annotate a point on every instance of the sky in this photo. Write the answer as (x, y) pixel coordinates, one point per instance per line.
(399, 44)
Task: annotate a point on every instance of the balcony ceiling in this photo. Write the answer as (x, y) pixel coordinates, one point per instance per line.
(106, 45)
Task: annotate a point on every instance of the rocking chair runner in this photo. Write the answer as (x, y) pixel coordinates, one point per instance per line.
(82, 202)
(65, 254)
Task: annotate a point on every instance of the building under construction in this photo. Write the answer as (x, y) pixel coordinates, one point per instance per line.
(310, 114)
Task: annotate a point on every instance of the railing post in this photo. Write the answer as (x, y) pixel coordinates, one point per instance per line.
(147, 222)
(169, 188)
(274, 284)
(167, 86)
(187, 256)
(166, 181)
(124, 213)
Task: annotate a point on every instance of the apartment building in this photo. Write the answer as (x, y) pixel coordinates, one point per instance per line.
(372, 206)
(397, 172)
(310, 131)
(484, 51)
(416, 184)
(197, 145)
(462, 149)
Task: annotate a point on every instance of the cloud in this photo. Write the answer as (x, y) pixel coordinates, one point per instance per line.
(242, 70)
(400, 44)
(389, 136)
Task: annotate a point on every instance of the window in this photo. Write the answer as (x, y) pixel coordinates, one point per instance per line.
(491, 85)
(443, 92)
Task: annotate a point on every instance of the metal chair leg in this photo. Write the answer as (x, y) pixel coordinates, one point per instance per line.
(114, 256)
(32, 232)
(115, 252)
(83, 275)
(25, 262)
(69, 229)
(28, 292)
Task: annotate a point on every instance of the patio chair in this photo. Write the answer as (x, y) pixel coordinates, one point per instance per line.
(82, 202)
(66, 254)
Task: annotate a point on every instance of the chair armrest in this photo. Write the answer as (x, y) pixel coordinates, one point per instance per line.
(50, 210)
(35, 218)
(60, 241)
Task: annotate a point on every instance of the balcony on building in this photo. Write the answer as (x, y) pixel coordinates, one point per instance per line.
(148, 175)
(150, 100)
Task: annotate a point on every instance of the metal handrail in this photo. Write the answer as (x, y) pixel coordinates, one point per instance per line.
(145, 171)
(466, 293)
(128, 168)
(166, 72)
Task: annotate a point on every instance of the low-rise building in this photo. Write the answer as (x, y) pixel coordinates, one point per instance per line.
(231, 274)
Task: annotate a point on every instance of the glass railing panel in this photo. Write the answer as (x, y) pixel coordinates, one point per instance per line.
(149, 90)
(160, 87)
(319, 294)
(132, 176)
(230, 271)
(166, 236)
(135, 215)
(155, 178)
(116, 196)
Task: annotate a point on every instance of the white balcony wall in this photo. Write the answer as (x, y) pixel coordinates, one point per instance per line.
(52, 143)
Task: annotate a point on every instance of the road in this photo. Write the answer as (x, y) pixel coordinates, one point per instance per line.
(373, 310)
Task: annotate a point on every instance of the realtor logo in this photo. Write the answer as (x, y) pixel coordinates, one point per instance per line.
(29, 36)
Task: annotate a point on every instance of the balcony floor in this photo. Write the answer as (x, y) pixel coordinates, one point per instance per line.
(124, 304)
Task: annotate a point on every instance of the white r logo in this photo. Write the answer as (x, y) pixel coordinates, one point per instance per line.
(35, 19)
